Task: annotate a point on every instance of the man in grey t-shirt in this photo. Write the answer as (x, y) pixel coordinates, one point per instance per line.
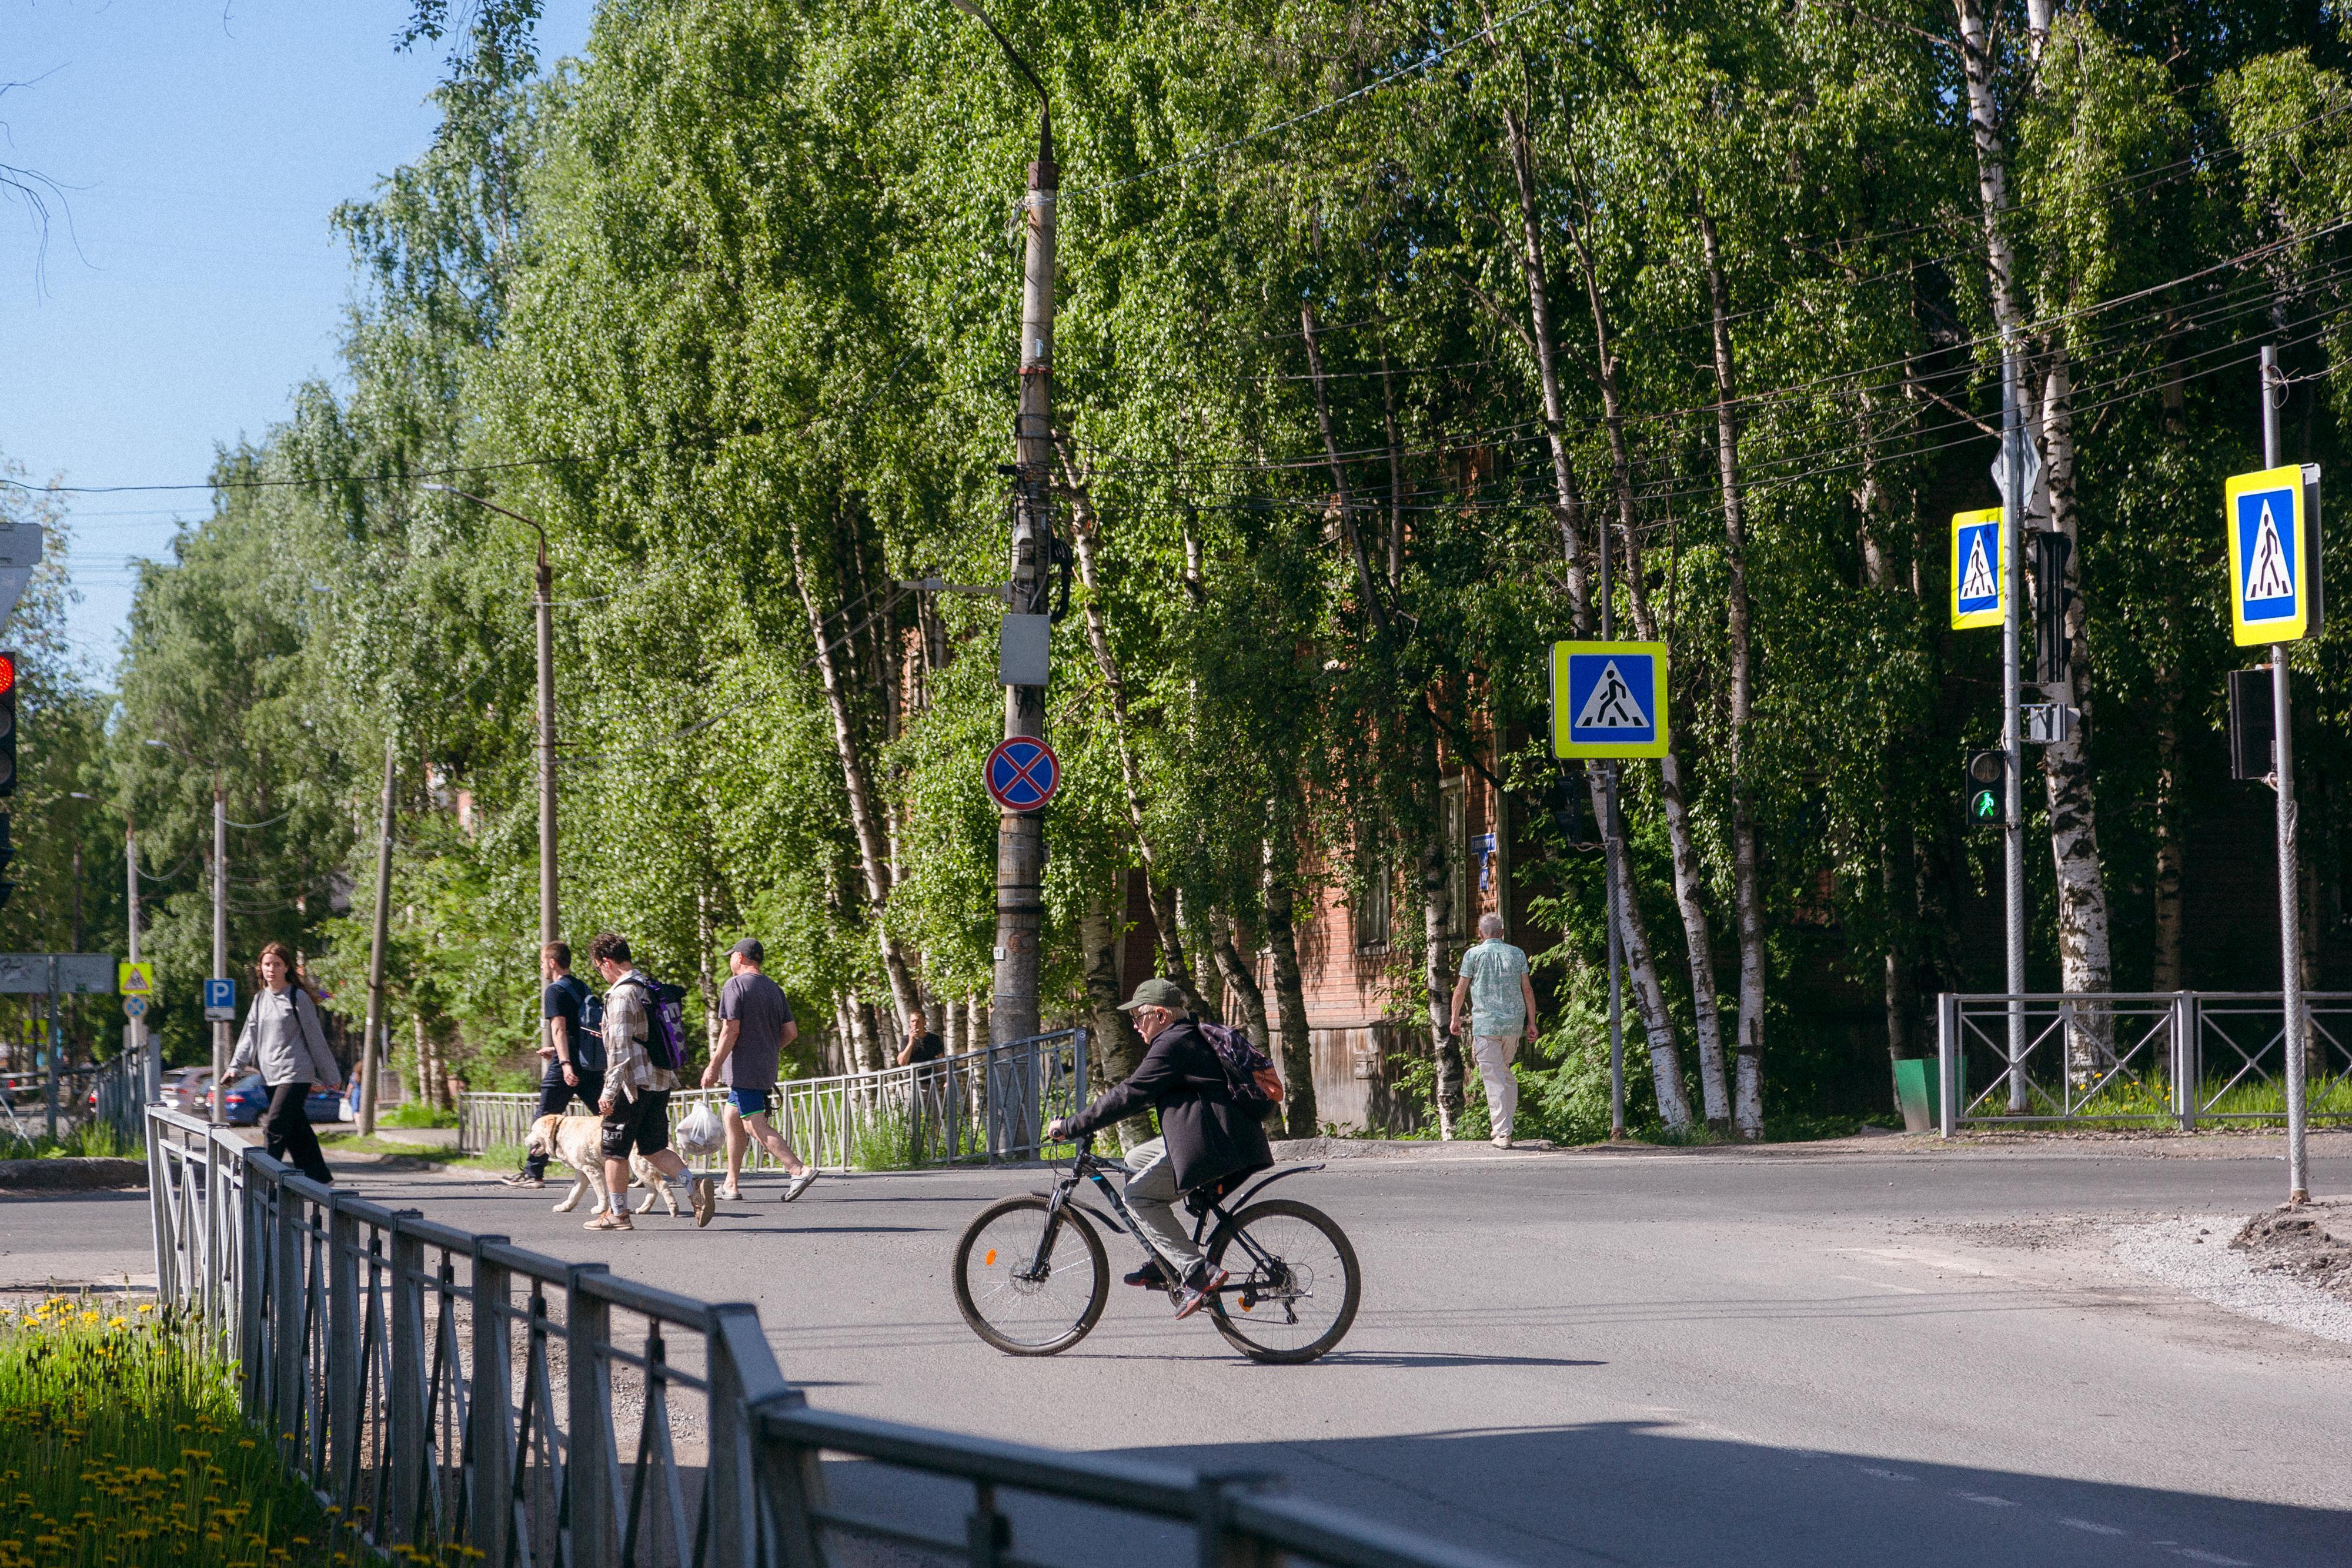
(755, 1024)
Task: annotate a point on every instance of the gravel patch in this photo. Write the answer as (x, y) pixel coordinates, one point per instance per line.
(2193, 1254)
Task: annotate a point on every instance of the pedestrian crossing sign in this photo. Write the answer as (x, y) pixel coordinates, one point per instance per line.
(1608, 699)
(1979, 569)
(2272, 546)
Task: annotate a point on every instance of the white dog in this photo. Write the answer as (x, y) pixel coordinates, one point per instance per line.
(578, 1142)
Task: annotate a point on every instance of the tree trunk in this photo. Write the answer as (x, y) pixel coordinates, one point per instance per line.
(1120, 1049)
(1349, 533)
(2085, 963)
(1297, 1056)
(1436, 905)
(2169, 847)
(1748, 1100)
(1688, 878)
(1084, 534)
(1649, 997)
(1241, 981)
(873, 853)
(1396, 477)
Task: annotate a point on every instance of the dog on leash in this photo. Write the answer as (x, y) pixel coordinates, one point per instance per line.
(578, 1142)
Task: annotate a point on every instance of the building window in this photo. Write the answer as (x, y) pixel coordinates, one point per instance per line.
(1371, 910)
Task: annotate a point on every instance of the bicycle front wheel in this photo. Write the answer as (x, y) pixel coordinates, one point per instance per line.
(1022, 1291)
(1294, 1283)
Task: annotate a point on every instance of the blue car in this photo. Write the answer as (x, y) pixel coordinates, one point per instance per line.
(248, 1100)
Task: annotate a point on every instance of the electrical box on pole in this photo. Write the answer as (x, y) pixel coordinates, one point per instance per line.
(2251, 717)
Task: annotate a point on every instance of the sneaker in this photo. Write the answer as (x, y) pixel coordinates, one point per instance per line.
(1151, 1277)
(1502, 1140)
(1204, 1284)
(523, 1178)
(705, 1196)
(798, 1184)
(609, 1222)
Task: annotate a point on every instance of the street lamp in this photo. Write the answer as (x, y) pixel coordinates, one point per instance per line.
(546, 616)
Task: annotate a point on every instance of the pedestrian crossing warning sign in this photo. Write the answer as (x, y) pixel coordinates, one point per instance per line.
(2272, 517)
(1608, 699)
(1979, 569)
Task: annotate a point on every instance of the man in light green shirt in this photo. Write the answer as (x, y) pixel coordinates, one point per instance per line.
(1502, 1003)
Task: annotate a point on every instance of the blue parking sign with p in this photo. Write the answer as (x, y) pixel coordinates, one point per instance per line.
(220, 1000)
(1608, 699)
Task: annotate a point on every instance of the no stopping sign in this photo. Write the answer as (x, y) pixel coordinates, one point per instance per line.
(1023, 774)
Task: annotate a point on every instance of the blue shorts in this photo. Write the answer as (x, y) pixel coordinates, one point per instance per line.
(747, 1101)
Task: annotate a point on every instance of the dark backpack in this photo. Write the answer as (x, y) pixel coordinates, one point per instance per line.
(1249, 1071)
(666, 1045)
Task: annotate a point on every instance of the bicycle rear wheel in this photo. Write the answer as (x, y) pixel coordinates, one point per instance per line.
(1021, 1303)
(1294, 1283)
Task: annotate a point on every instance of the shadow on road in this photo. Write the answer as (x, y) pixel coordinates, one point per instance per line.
(1655, 1493)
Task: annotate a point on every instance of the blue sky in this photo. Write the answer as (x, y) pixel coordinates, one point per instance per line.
(189, 281)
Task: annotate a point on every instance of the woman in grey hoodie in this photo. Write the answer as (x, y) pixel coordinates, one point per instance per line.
(284, 1037)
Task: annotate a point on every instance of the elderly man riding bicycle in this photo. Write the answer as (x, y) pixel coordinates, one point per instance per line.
(1206, 1137)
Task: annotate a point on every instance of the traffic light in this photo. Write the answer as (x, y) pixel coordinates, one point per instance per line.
(7, 724)
(2052, 598)
(1985, 795)
(7, 854)
(2253, 721)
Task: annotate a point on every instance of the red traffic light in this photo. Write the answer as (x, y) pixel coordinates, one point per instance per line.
(7, 673)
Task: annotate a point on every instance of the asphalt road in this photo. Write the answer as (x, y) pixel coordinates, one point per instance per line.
(1841, 1356)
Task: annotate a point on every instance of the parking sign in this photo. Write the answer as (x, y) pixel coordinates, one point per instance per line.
(220, 1001)
(1608, 699)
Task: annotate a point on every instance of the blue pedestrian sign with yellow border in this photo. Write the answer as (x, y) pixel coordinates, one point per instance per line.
(1608, 699)
(1979, 569)
(2273, 547)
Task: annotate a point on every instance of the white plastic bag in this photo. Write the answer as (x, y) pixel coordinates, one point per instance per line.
(700, 1132)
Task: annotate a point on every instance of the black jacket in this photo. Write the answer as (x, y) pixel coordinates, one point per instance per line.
(1209, 1136)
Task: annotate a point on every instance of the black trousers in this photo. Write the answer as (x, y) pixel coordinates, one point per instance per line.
(286, 1127)
(554, 1095)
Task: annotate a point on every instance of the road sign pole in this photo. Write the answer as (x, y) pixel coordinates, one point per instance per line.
(150, 1068)
(2298, 1176)
(220, 936)
(1612, 855)
(50, 1055)
(2013, 431)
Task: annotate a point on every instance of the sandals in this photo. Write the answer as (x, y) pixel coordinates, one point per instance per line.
(610, 1222)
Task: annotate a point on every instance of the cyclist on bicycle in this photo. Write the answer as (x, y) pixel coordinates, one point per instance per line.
(1206, 1138)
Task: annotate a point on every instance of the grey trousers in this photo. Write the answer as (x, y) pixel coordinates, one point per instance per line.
(1151, 1197)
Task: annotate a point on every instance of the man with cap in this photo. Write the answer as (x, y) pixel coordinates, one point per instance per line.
(1206, 1137)
(755, 1024)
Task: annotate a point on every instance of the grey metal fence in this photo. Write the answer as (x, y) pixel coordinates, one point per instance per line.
(442, 1388)
(988, 1104)
(2178, 1057)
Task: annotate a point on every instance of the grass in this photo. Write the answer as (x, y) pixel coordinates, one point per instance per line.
(2148, 1102)
(92, 1140)
(122, 1446)
(499, 1157)
(415, 1114)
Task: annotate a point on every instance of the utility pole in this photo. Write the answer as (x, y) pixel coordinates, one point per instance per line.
(220, 936)
(1020, 835)
(138, 1040)
(2012, 832)
(2298, 1173)
(1611, 852)
(371, 1043)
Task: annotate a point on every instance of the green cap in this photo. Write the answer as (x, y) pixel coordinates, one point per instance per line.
(1155, 993)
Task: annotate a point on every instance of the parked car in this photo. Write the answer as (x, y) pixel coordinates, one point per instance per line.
(249, 1099)
(188, 1094)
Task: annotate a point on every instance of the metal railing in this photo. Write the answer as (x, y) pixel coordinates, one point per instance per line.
(988, 1106)
(446, 1389)
(2182, 1057)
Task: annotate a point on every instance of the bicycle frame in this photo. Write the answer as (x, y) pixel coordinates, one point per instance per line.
(1084, 1165)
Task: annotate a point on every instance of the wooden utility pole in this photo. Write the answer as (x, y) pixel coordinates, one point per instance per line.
(1020, 835)
(371, 1042)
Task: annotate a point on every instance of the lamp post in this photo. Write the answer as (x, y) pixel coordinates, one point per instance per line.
(1020, 835)
(544, 608)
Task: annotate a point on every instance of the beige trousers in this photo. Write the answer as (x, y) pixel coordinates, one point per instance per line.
(1494, 1053)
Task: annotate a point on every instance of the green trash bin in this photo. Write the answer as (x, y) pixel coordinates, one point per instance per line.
(1919, 1090)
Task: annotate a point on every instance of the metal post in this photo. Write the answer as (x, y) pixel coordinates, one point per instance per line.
(1020, 835)
(49, 1054)
(491, 1519)
(220, 939)
(2012, 835)
(547, 914)
(2188, 1067)
(1612, 855)
(371, 1042)
(1947, 1064)
(288, 1302)
(2298, 1174)
(149, 1063)
(588, 1386)
(405, 1438)
(343, 1392)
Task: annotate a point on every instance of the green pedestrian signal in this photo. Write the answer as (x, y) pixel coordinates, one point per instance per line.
(1985, 794)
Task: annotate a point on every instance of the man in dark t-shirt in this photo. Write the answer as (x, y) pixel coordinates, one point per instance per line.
(755, 1024)
(573, 1048)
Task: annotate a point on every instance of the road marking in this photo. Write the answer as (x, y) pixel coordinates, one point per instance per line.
(2215, 1558)
(1985, 1497)
(2094, 1528)
(1880, 1284)
(1930, 1257)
